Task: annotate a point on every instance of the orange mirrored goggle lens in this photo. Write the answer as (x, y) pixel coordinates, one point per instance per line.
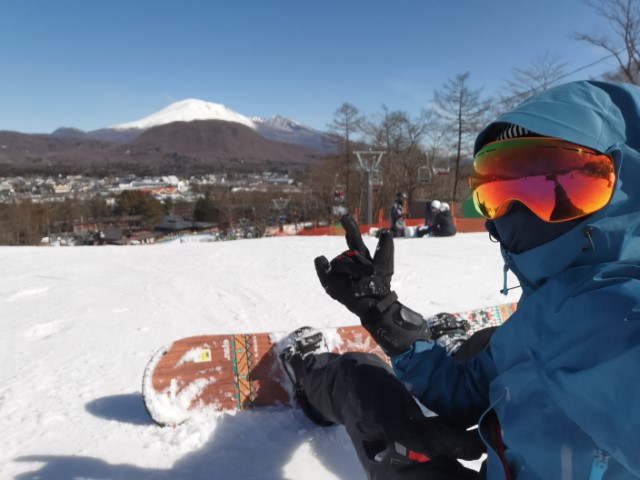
(556, 180)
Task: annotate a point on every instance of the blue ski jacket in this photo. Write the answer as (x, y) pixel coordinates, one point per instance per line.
(556, 394)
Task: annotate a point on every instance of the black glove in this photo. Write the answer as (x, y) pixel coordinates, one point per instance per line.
(363, 285)
(449, 331)
(428, 450)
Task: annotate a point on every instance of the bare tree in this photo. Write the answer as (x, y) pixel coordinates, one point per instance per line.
(464, 111)
(401, 137)
(412, 155)
(347, 121)
(323, 181)
(545, 71)
(624, 18)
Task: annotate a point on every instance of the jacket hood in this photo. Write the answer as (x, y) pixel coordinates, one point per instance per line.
(603, 116)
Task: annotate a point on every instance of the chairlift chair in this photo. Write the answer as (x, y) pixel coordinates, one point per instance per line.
(375, 177)
(424, 174)
(441, 169)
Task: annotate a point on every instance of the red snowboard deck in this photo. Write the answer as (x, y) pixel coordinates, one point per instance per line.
(242, 371)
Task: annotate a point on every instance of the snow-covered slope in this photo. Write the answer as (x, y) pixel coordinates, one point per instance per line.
(79, 324)
(187, 111)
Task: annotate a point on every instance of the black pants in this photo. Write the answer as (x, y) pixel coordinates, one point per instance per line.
(361, 392)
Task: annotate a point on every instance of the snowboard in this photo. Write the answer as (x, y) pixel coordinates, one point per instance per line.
(242, 371)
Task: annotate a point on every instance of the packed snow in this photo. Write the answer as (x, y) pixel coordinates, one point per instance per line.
(79, 325)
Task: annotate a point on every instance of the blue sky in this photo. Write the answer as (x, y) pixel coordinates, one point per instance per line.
(91, 64)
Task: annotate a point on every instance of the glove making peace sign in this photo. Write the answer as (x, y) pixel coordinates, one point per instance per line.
(363, 285)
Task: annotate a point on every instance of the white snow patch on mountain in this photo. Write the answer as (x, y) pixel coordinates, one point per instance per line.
(187, 111)
(279, 122)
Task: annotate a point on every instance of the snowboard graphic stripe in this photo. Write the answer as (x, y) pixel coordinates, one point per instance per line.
(242, 366)
(488, 317)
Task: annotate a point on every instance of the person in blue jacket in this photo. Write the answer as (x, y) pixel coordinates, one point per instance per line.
(556, 391)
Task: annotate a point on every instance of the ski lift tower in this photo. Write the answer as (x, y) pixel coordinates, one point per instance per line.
(281, 205)
(369, 162)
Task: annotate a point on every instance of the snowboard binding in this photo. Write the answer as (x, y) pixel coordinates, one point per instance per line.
(299, 345)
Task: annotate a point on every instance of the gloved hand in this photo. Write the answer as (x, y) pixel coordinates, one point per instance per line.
(427, 450)
(353, 278)
(449, 331)
(363, 285)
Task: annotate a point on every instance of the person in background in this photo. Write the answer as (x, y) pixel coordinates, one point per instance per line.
(431, 207)
(556, 390)
(442, 224)
(397, 215)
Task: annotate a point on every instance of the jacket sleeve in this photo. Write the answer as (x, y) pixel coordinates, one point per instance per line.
(459, 392)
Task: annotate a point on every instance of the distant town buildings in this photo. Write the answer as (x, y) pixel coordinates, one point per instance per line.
(128, 230)
(54, 189)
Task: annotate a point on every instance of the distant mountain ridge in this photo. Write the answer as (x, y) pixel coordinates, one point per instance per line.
(189, 136)
(282, 129)
(276, 128)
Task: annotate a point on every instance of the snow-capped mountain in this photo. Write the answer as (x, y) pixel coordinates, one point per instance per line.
(276, 128)
(279, 122)
(285, 130)
(187, 111)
